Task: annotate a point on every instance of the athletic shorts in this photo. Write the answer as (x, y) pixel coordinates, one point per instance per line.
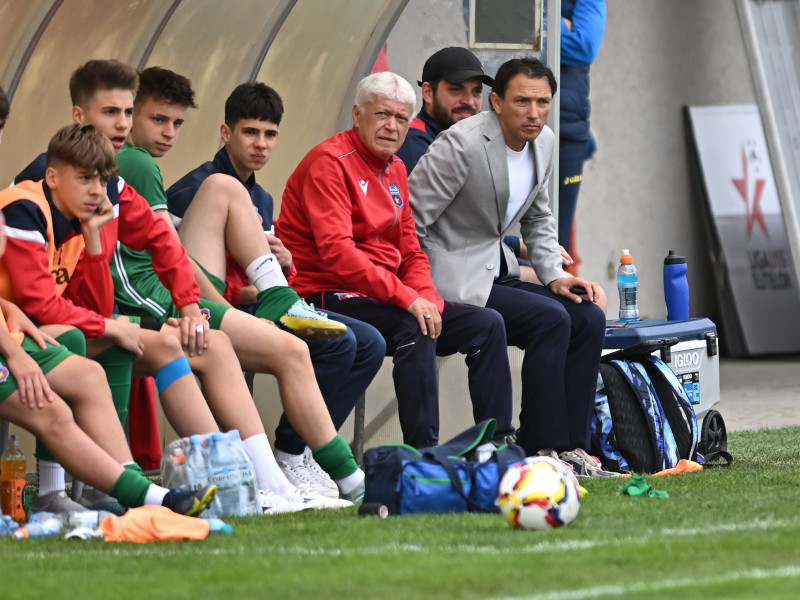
(159, 306)
(47, 360)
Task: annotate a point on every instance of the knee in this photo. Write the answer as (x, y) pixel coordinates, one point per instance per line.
(493, 320)
(558, 316)
(291, 348)
(370, 342)
(220, 188)
(168, 347)
(592, 319)
(219, 352)
(55, 418)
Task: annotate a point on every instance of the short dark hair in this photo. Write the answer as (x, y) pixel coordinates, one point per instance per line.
(5, 107)
(253, 100)
(101, 75)
(83, 146)
(529, 66)
(166, 86)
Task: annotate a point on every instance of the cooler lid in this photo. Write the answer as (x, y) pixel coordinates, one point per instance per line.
(622, 334)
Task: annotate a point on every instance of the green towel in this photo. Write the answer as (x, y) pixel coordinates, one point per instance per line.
(637, 487)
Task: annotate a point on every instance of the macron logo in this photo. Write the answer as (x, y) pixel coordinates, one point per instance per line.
(364, 184)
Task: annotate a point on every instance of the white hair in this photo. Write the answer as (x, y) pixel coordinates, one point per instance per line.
(385, 85)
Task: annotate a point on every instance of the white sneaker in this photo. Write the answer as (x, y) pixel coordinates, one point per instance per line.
(315, 501)
(303, 471)
(275, 504)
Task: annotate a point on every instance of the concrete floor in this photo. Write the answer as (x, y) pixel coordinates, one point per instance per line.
(760, 393)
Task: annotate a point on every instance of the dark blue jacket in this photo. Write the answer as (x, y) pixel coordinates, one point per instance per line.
(421, 133)
(181, 193)
(578, 50)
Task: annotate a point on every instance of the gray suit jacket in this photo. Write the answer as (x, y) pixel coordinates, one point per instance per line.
(459, 196)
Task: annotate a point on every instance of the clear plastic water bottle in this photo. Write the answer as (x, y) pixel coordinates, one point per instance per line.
(7, 526)
(45, 528)
(248, 486)
(12, 481)
(197, 463)
(628, 287)
(179, 472)
(226, 474)
(676, 287)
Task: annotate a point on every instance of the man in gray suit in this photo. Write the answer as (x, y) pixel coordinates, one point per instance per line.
(479, 179)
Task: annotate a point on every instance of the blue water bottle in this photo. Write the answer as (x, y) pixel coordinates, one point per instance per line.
(676, 287)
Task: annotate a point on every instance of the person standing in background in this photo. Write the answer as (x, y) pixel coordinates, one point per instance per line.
(582, 26)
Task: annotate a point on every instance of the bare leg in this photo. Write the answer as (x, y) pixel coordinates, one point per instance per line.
(182, 401)
(263, 348)
(221, 217)
(93, 409)
(73, 448)
(223, 385)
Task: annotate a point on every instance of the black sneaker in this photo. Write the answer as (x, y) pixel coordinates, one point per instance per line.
(190, 502)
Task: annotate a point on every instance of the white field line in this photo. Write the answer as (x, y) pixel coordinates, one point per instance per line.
(615, 591)
(391, 548)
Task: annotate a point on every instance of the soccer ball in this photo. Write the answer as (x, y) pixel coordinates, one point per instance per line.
(539, 493)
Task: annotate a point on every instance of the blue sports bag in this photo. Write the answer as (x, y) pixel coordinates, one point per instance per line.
(460, 475)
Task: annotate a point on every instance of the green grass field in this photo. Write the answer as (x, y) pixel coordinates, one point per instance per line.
(723, 533)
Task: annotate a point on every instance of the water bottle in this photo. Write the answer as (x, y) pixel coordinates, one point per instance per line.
(87, 519)
(44, 528)
(197, 463)
(225, 473)
(628, 286)
(179, 472)
(676, 287)
(12, 481)
(248, 487)
(7, 526)
(217, 526)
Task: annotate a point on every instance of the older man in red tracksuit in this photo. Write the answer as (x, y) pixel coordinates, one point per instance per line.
(346, 219)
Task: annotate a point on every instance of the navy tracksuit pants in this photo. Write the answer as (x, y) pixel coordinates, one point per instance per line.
(475, 332)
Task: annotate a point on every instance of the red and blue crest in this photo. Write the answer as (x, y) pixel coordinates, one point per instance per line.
(3, 374)
(396, 197)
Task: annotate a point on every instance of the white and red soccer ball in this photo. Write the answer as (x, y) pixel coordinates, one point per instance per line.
(539, 492)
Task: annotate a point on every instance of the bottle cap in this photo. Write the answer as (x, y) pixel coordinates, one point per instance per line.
(626, 258)
(674, 259)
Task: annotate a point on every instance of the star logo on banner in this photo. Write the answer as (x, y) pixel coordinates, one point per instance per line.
(742, 184)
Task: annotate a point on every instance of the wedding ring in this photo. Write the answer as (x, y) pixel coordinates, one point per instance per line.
(199, 329)
(428, 316)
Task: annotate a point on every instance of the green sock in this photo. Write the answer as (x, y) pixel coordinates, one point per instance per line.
(275, 301)
(131, 487)
(118, 365)
(74, 341)
(336, 458)
(132, 466)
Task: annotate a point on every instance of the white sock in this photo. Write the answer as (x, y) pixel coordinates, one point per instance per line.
(155, 495)
(269, 474)
(51, 477)
(349, 483)
(265, 272)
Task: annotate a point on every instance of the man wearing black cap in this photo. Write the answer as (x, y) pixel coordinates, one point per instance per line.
(452, 89)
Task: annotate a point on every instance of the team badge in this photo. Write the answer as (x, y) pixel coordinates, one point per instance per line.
(346, 295)
(205, 313)
(3, 374)
(396, 197)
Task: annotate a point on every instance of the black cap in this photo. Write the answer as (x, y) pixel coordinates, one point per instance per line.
(455, 65)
